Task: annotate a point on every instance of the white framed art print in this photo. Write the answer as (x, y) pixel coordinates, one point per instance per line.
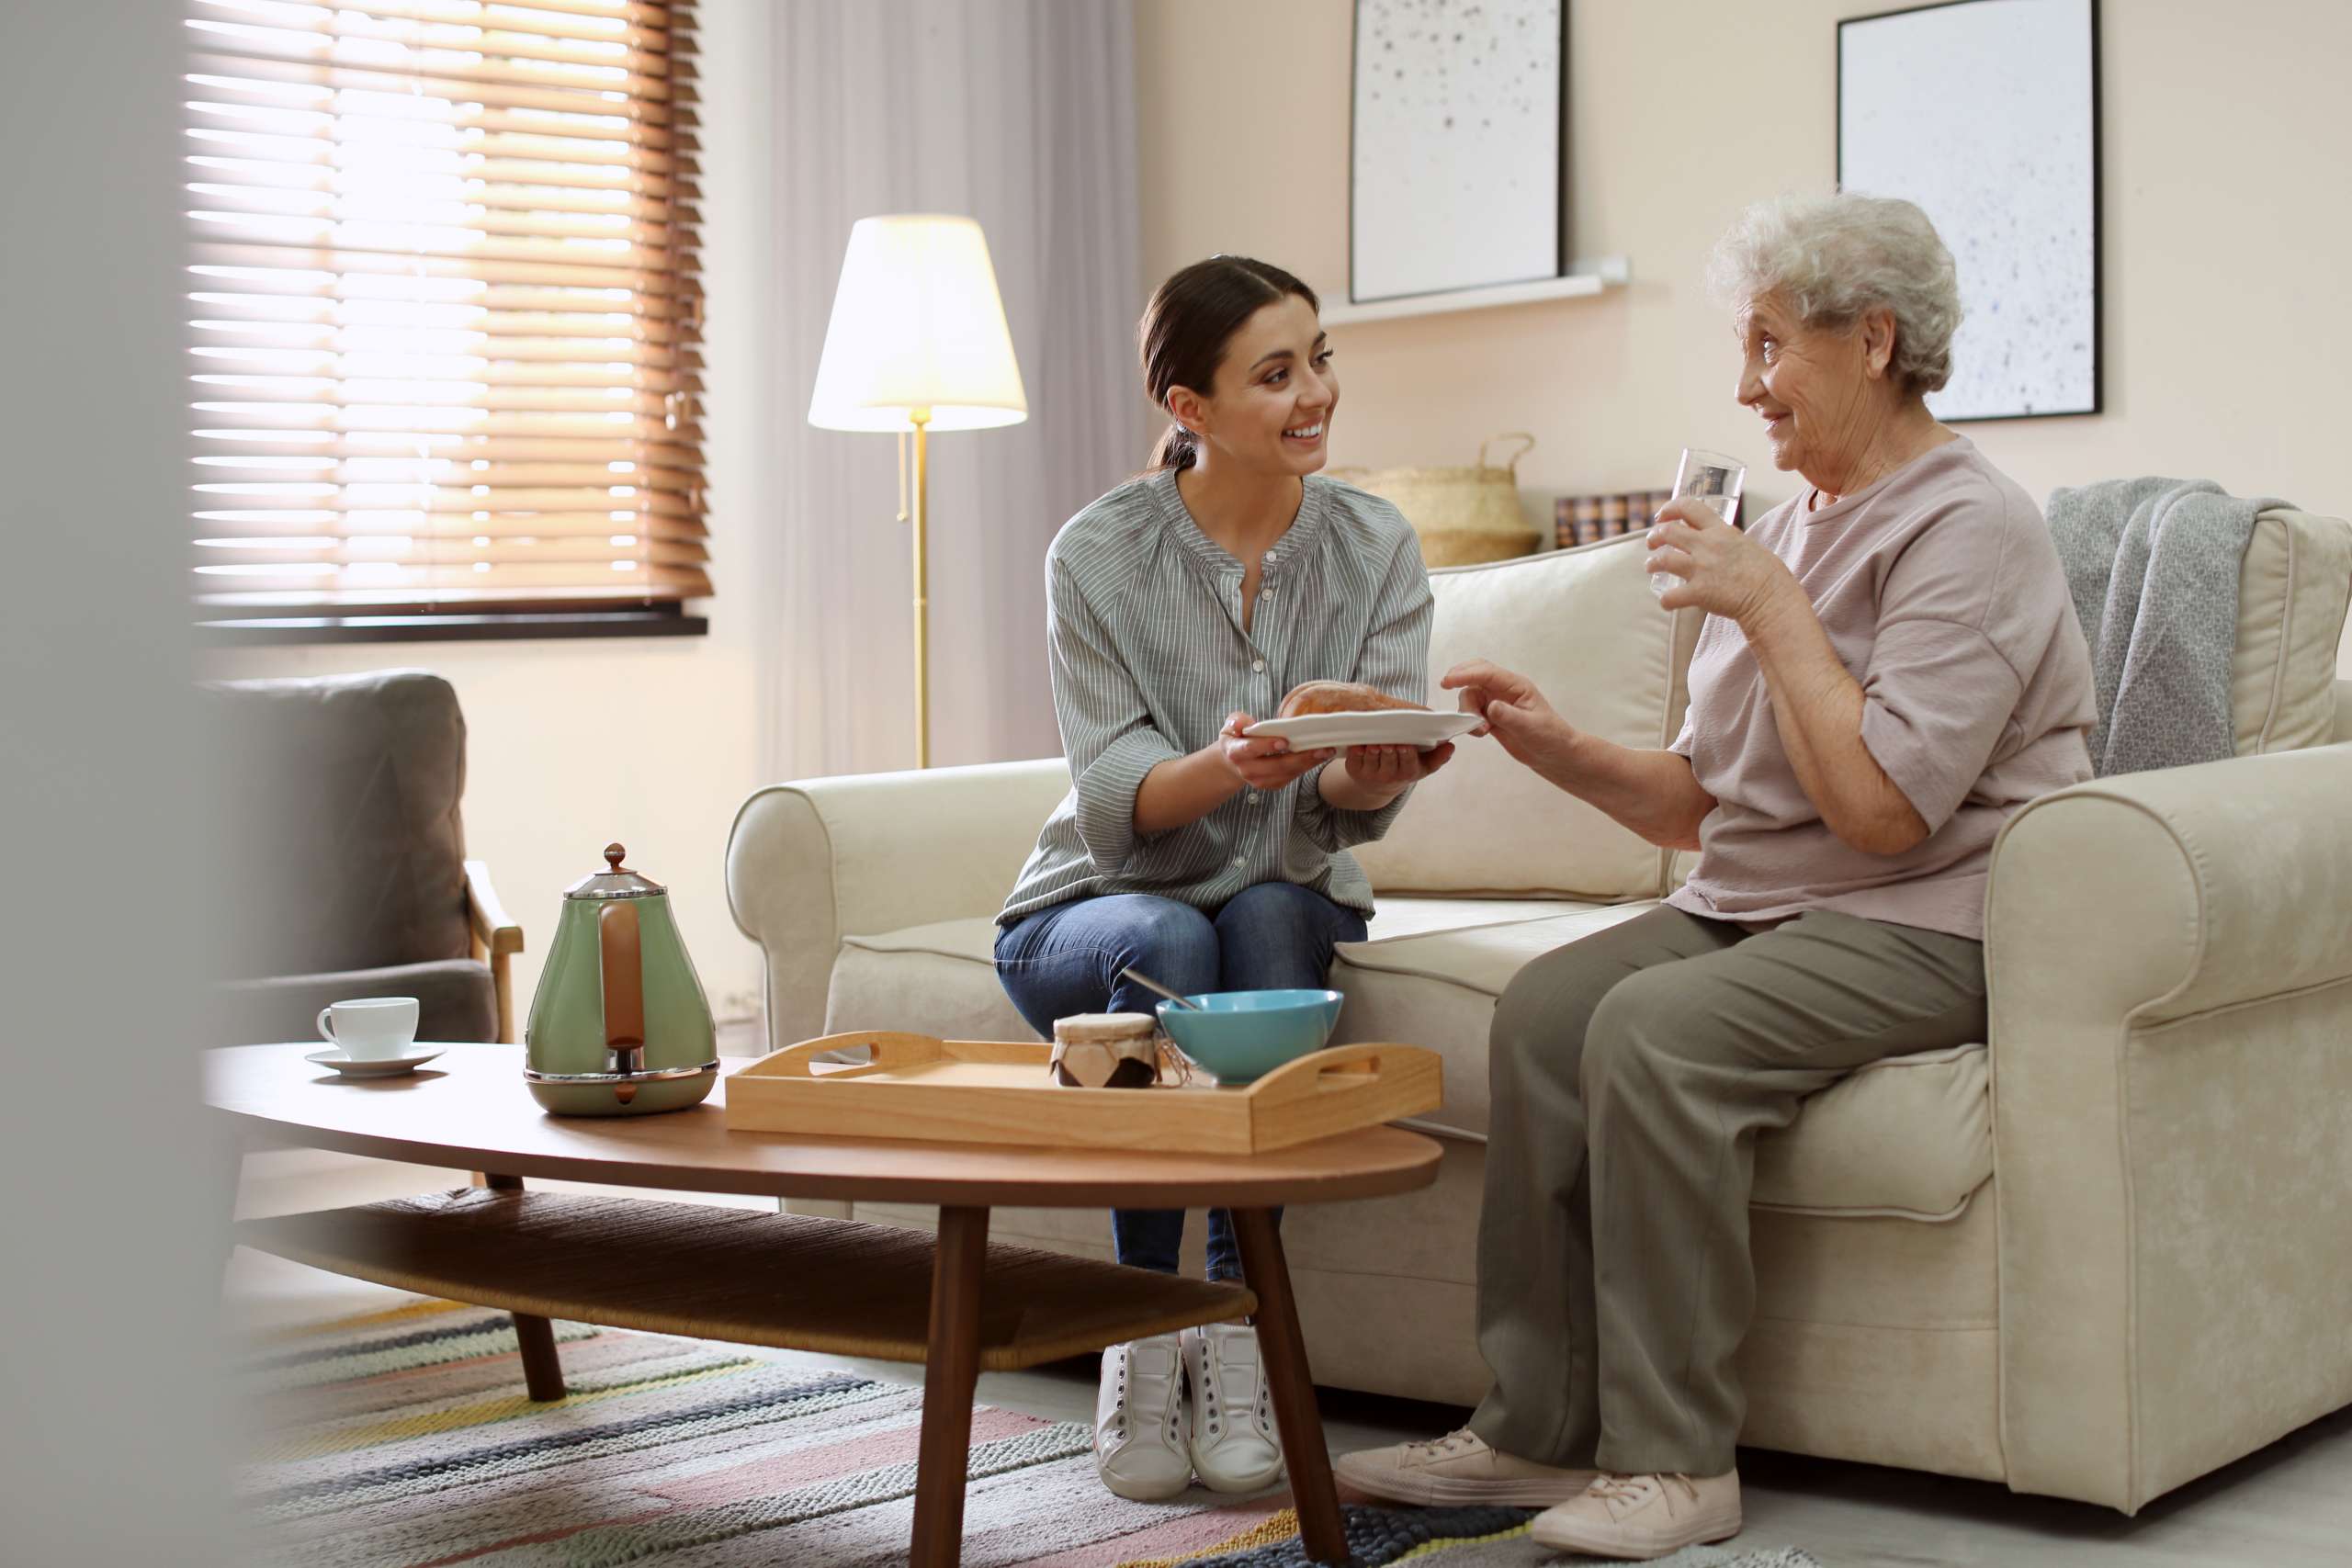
(1985, 113)
(1457, 146)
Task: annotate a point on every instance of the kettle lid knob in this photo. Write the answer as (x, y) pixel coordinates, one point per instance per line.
(615, 882)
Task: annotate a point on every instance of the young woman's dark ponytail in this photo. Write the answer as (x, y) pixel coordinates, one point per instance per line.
(1185, 329)
(1178, 449)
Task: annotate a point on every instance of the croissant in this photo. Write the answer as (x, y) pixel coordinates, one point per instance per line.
(1340, 696)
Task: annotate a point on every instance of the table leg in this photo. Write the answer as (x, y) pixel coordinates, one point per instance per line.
(542, 1368)
(950, 1370)
(1292, 1387)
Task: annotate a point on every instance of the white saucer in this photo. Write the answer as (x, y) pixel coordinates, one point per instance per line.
(1388, 727)
(408, 1061)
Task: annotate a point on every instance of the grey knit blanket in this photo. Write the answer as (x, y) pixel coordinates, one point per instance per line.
(2153, 565)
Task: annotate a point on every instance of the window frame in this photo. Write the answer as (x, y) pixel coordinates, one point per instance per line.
(426, 616)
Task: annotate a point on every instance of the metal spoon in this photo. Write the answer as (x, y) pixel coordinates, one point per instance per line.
(1148, 983)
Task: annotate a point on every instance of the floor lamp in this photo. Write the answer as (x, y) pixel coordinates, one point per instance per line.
(918, 343)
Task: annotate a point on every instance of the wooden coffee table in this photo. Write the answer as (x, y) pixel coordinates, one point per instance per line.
(834, 1286)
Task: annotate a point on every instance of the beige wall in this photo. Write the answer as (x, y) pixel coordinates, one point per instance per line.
(2226, 232)
(2227, 345)
(573, 744)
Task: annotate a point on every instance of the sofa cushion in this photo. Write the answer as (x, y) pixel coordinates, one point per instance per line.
(941, 978)
(973, 939)
(922, 988)
(1438, 989)
(2293, 585)
(1906, 1136)
(1557, 618)
(1909, 1136)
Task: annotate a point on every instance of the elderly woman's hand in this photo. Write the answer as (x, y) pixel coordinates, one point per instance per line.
(1516, 713)
(1723, 570)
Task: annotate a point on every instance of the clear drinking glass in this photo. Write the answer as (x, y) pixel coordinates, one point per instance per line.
(1710, 478)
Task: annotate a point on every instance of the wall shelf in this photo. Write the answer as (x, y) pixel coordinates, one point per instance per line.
(1588, 278)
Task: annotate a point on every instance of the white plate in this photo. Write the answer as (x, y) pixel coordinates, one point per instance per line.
(1388, 727)
(408, 1061)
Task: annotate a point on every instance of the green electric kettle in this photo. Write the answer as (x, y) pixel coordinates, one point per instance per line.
(618, 1026)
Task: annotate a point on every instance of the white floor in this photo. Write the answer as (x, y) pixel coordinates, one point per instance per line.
(2287, 1506)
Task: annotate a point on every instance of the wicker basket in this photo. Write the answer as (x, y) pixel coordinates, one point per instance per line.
(1463, 516)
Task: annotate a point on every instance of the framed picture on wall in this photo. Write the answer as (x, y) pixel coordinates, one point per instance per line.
(1458, 140)
(1985, 113)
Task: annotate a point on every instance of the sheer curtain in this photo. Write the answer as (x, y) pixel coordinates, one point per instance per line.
(1019, 113)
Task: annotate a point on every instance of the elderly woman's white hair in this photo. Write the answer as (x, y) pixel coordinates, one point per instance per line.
(1831, 258)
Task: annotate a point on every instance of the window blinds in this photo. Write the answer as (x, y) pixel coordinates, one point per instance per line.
(445, 311)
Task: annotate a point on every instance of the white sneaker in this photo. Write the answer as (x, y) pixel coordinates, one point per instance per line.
(1141, 1448)
(1642, 1516)
(1235, 1446)
(1459, 1471)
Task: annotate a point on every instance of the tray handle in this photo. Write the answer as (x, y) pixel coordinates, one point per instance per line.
(890, 1049)
(1297, 1079)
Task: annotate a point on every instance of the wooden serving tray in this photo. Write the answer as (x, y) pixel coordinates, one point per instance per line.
(991, 1091)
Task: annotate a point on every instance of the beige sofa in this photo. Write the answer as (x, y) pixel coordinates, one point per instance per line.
(2095, 1257)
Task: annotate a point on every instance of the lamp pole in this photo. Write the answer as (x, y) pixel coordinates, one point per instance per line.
(920, 418)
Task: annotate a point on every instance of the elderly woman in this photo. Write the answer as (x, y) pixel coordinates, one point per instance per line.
(1890, 666)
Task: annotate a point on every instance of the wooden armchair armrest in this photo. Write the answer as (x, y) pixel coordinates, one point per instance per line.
(497, 938)
(495, 930)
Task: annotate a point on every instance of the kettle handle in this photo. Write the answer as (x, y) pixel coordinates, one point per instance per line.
(620, 957)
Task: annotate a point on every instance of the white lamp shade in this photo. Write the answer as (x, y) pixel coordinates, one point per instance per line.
(917, 324)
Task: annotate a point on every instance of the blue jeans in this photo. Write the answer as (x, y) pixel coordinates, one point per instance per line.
(1065, 960)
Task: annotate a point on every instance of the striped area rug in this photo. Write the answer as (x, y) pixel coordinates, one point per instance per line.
(404, 1438)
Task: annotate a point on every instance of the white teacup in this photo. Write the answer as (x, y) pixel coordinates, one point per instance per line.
(370, 1029)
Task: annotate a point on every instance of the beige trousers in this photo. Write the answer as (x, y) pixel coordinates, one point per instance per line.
(1631, 1071)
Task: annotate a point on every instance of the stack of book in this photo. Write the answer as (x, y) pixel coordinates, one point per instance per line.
(1588, 519)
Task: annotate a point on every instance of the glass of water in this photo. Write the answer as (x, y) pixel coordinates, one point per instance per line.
(1709, 477)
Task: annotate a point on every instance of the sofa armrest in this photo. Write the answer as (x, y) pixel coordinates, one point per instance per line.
(811, 862)
(2171, 1029)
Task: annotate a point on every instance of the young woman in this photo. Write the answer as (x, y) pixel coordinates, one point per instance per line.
(1182, 603)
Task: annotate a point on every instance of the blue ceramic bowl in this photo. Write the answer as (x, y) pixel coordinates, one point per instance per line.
(1242, 1035)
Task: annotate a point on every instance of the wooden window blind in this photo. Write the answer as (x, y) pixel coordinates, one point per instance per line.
(446, 311)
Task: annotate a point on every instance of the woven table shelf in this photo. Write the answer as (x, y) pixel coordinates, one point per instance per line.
(735, 1275)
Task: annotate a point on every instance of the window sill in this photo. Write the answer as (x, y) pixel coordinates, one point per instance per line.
(285, 631)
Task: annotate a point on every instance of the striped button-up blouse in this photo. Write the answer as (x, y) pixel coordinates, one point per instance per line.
(1148, 655)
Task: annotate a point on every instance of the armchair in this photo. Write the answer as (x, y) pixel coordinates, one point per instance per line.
(351, 854)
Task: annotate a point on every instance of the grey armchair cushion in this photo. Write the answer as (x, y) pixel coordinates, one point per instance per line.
(456, 1000)
(349, 848)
